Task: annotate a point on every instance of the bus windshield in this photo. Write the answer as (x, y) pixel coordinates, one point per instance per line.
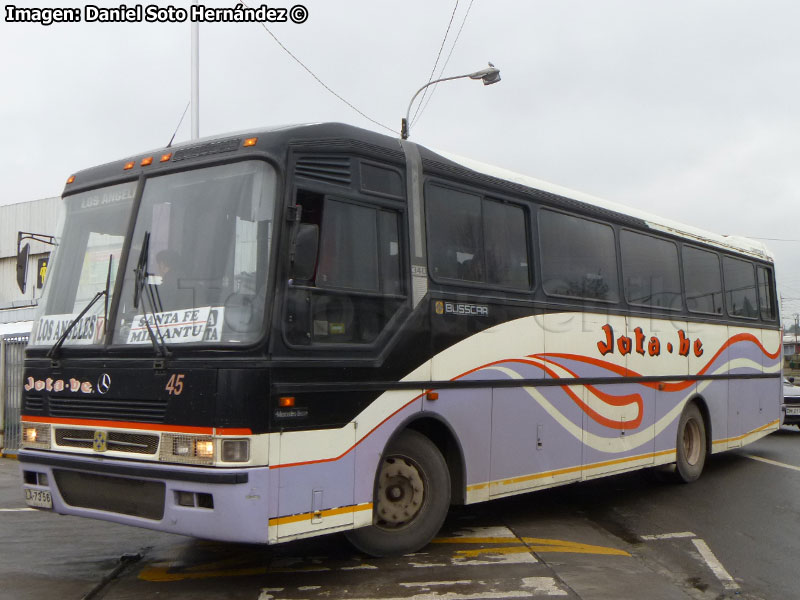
(203, 270)
(93, 232)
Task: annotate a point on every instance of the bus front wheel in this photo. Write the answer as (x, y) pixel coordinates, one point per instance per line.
(411, 500)
(691, 445)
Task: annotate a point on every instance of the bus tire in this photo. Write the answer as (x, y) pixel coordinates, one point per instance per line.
(691, 445)
(411, 500)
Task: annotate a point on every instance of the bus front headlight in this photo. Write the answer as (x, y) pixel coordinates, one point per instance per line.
(35, 435)
(189, 449)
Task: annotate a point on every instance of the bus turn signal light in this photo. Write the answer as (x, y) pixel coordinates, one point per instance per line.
(286, 401)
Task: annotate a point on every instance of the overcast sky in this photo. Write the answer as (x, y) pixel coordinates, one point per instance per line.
(688, 108)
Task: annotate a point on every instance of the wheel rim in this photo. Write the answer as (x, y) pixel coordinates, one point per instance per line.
(401, 492)
(692, 442)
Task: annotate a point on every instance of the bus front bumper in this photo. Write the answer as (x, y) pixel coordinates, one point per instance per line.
(210, 503)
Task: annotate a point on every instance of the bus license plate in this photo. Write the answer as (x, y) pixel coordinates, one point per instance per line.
(38, 498)
(793, 410)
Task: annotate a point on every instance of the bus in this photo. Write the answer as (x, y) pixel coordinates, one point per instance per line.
(295, 331)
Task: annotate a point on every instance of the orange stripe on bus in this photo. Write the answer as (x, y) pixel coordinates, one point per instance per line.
(133, 425)
(744, 435)
(324, 513)
(233, 431)
(568, 470)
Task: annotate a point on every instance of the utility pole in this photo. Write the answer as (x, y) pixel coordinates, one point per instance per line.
(195, 78)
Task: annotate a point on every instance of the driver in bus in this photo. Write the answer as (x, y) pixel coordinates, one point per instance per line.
(167, 262)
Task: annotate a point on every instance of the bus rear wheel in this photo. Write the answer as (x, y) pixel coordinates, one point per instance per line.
(691, 446)
(412, 497)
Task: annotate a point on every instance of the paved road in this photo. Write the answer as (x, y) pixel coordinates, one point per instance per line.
(733, 534)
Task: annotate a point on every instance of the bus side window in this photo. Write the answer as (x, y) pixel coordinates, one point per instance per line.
(475, 239)
(578, 257)
(740, 287)
(703, 281)
(651, 275)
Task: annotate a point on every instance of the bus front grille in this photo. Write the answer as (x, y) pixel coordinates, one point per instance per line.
(134, 497)
(111, 410)
(118, 441)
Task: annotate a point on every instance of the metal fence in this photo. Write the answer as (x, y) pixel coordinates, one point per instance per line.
(12, 356)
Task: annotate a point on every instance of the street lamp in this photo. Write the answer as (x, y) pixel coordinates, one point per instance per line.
(488, 76)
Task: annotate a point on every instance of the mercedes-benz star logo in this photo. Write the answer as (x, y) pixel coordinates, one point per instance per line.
(104, 383)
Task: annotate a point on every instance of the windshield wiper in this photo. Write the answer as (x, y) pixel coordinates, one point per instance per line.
(56, 348)
(141, 276)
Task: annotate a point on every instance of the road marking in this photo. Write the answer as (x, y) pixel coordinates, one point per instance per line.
(430, 583)
(544, 545)
(543, 584)
(669, 536)
(713, 563)
(361, 567)
(513, 544)
(496, 546)
(707, 555)
(771, 462)
(531, 587)
(504, 550)
(16, 509)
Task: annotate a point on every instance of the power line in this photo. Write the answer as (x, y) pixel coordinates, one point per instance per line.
(322, 83)
(444, 66)
(438, 56)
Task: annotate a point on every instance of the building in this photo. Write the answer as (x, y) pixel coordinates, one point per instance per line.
(17, 310)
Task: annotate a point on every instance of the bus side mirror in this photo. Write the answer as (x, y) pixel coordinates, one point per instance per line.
(305, 251)
(22, 266)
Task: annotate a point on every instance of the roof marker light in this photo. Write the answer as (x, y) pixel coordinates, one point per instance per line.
(71, 179)
(286, 401)
(250, 142)
(147, 161)
(166, 157)
(129, 165)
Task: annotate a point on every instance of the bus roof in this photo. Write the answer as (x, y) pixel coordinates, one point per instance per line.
(339, 131)
(735, 243)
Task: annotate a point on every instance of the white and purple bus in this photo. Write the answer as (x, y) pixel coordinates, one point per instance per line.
(302, 330)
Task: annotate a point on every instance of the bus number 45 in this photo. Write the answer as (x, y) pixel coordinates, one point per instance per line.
(175, 385)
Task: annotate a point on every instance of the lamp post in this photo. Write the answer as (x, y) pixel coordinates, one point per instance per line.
(488, 76)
